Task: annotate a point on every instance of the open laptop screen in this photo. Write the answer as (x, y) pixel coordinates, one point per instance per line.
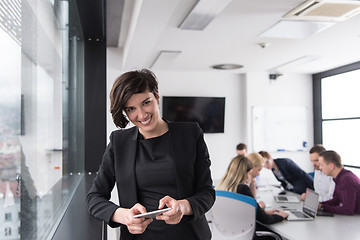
(311, 202)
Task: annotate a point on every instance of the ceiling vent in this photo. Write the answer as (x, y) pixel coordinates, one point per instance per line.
(324, 10)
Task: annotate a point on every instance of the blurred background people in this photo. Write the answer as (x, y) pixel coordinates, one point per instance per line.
(258, 164)
(241, 149)
(237, 179)
(323, 184)
(291, 176)
(346, 198)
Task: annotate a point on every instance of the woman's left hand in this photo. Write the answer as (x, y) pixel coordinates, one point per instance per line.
(179, 209)
(262, 204)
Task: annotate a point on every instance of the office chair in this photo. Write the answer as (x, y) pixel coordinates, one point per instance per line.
(233, 216)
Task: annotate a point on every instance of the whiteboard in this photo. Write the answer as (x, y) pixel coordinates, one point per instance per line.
(279, 128)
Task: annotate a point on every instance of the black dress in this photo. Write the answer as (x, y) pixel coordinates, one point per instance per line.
(157, 170)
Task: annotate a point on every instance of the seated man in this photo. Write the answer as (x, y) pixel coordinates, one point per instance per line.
(241, 149)
(291, 176)
(346, 198)
(323, 184)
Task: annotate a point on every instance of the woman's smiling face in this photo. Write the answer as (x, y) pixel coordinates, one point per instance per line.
(143, 111)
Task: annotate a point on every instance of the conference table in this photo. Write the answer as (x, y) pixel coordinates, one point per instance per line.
(337, 227)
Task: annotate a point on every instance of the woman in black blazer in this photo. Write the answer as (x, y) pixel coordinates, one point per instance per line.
(155, 164)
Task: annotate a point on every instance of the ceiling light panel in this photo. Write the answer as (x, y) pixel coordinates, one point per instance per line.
(203, 13)
(295, 63)
(165, 59)
(295, 29)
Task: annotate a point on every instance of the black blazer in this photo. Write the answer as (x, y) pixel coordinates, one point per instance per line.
(294, 174)
(191, 168)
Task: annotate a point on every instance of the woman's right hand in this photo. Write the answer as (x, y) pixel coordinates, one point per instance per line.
(126, 216)
(282, 213)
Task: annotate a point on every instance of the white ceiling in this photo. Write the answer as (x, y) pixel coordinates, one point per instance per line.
(151, 26)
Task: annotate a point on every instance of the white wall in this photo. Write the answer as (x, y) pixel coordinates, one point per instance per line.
(288, 90)
(215, 84)
(242, 91)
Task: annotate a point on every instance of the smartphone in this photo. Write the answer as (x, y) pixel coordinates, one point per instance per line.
(152, 214)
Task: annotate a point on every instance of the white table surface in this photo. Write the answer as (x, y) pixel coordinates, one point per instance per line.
(338, 227)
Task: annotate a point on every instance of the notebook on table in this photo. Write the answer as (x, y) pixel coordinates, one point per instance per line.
(309, 208)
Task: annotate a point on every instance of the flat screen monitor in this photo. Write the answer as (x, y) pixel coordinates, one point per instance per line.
(208, 112)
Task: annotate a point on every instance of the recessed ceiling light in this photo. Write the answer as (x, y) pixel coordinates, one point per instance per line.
(227, 66)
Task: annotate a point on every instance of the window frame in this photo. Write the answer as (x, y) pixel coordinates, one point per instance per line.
(317, 103)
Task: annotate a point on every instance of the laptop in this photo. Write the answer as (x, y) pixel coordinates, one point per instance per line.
(286, 199)
(309, 208)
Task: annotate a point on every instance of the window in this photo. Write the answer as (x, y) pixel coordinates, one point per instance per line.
(337, 111)
(8, 217)
(7, 231)
(41, 101)
(340, 95)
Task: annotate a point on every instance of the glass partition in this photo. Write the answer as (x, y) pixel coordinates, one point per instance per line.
(41, 115)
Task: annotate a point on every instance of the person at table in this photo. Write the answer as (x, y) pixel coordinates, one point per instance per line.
(258, 163)
(346, 198)
(323, 184)
(154, 164)
(241, 149)
(237, 179)
(291, 176)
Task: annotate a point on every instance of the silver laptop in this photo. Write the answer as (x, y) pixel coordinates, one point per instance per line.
(286, 199)
(309, 209)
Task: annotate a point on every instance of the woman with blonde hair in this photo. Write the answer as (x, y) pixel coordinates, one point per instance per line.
(236, 173)
(258, 162)
(237, 179)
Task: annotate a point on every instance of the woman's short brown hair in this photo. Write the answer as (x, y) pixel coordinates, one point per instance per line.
(128, 84)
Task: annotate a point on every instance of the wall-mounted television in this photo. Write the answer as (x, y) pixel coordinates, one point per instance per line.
(208, 112)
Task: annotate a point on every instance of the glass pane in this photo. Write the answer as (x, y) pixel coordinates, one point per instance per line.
(342, 136)
(41, 115)
(340, 95)
(10, 148)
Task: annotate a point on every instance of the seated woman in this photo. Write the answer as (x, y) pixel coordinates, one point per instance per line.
(237, 179)
(258, 163)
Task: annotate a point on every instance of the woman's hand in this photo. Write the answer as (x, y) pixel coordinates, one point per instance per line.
(281, 213)
(126, 217)
(262, 204)
(252, 185)
(302, 197)
(278, 212)
(179, 209)
(273, 211)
